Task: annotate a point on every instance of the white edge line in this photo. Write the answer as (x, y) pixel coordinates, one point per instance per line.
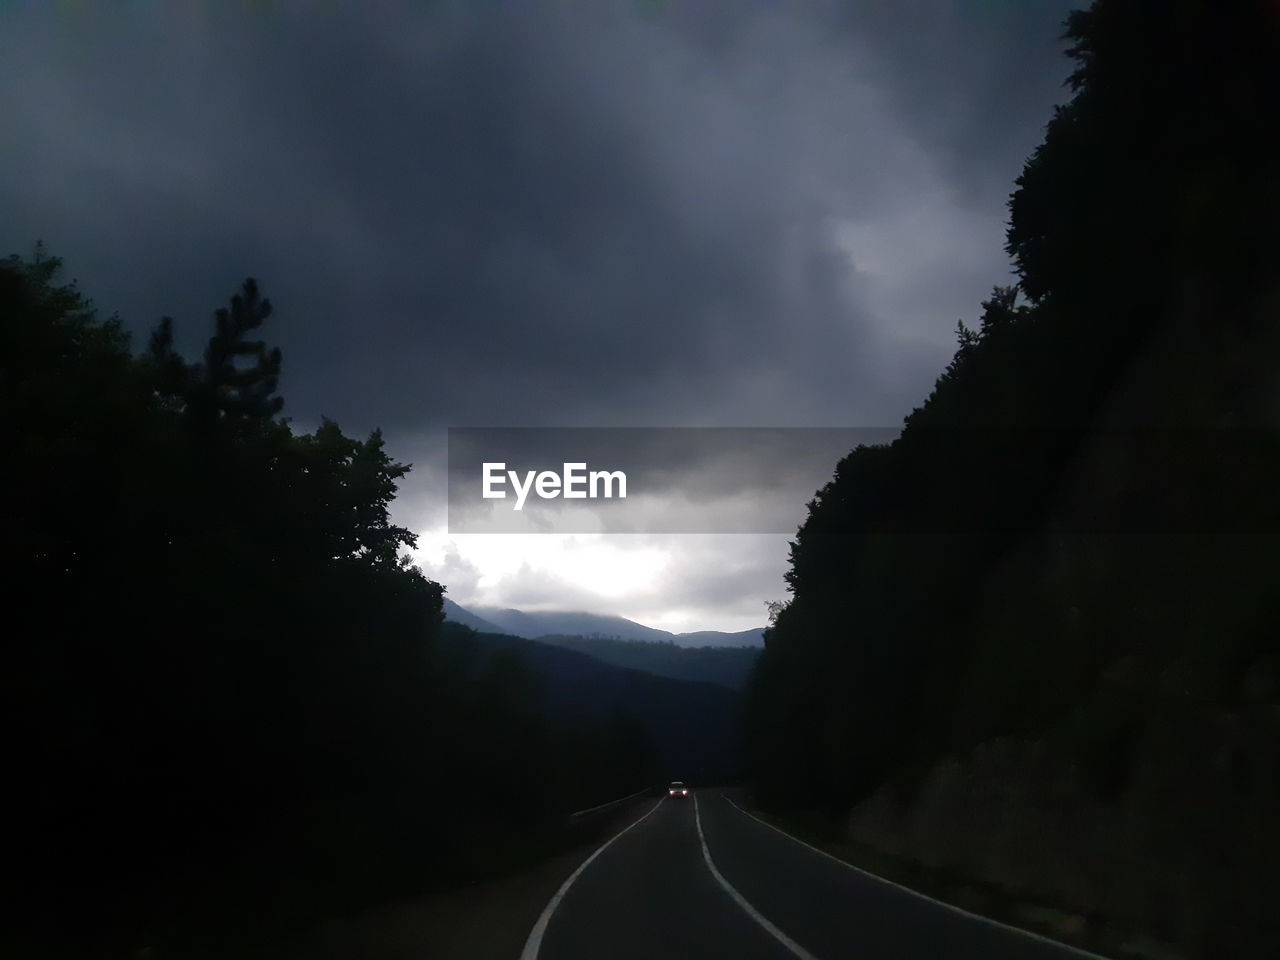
(916, 893)
(534, 941)
(740, 900)
(609, 803)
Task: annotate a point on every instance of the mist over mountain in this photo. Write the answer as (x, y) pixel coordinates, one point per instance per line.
(454, 613)
(541, 623)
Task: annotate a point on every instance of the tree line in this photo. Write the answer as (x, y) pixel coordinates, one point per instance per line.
(228, 707)
(1072, 542)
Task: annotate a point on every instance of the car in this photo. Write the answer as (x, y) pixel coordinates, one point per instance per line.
(677, 789)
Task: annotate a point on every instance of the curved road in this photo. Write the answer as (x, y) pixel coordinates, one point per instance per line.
(702, 878)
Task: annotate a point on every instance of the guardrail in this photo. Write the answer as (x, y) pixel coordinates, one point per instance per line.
(612, 803)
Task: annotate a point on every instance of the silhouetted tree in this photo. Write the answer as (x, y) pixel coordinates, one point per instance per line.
(223, 690)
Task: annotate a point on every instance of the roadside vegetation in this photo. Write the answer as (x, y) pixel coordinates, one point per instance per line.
(1034, 640)
(229, 708)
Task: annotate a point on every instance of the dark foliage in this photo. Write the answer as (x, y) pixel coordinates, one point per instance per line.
(1073, 540)
(226, 703)
(682, 729)
(727, 666)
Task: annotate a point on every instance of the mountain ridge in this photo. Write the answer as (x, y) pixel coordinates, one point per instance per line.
(532, 625)
(689, 725)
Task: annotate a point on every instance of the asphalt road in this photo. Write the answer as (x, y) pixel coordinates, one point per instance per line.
(701, 878)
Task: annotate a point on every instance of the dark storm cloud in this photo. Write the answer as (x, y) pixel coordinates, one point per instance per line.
(476, 213)
(560, 213)
(974, 79)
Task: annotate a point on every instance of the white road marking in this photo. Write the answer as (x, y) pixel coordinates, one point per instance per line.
(916, 893)
(534, 943)
(739, 899)
(609, 803)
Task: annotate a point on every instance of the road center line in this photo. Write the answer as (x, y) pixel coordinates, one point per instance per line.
(534, 943)
(739, 899)
(916, 893)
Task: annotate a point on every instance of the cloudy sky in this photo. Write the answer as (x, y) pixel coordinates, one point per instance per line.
(551, 213)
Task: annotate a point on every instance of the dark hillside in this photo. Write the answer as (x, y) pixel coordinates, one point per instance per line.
(726, 666)
(1034, 640)
(692, 729)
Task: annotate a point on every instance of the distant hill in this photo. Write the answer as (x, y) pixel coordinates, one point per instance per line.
(726, 666)
(693, 727)
(718, 638)
(458, 614)
(543, 623)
